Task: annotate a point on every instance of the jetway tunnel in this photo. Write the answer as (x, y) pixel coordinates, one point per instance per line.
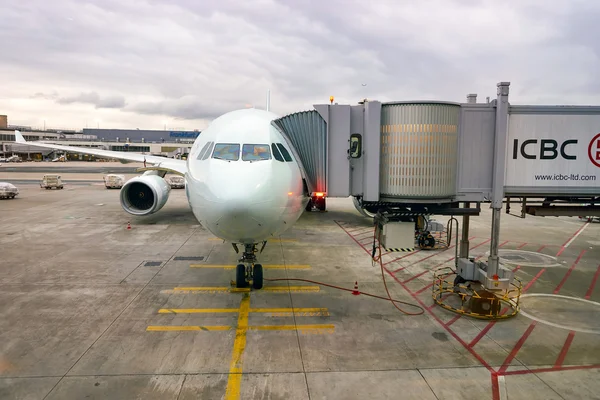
(402, 161)
(433, 155)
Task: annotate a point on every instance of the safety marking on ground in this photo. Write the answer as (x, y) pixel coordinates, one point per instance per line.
(225, 289)
(498, 391)
(275, 312)
(268, 241)
(265, 266)
(234, 381)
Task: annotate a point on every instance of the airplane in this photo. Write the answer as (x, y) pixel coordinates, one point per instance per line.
(243, 181)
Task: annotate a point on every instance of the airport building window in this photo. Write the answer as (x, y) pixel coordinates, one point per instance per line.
(256, 152)
(284, 152)
(139, 149)
(227, 151)
(276, 153)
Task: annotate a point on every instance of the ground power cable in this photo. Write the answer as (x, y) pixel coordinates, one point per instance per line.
(355, 291)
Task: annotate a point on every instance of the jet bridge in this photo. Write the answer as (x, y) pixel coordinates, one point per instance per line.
(435, 155)
(406, 159)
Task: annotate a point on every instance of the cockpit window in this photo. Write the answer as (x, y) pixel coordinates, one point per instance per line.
(227, 151)
(256, 152)
(284, 152)
(208, 151)
(203, 151)
(276, 153)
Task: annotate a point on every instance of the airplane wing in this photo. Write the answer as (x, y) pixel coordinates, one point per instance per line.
(160, 163)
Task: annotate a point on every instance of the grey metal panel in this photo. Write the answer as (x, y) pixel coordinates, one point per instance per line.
(357, 125)
(555, 110)
(307, 132)
(419, 148)
(476, 150)
(551, 191)
(372, 149)
(500, 141)
(338, 166)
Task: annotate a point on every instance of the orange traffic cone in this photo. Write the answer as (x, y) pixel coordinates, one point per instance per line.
(355, 291)
(128, 225)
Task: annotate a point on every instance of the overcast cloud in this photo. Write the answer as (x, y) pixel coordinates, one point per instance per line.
(144, 64)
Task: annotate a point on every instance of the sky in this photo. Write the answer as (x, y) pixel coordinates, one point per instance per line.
(158, 64)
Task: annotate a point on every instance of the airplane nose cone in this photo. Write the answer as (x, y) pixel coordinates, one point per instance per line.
(244, 207)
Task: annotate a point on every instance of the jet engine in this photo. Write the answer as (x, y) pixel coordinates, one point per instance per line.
(144, 195)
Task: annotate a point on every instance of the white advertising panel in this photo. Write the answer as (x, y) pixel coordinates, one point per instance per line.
(553, 150)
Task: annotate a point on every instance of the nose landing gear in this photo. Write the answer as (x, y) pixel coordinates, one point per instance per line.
(248, 271)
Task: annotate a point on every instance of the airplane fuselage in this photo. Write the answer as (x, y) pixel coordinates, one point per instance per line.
(240, 183)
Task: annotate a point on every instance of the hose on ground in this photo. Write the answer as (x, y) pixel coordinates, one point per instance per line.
(388, 298)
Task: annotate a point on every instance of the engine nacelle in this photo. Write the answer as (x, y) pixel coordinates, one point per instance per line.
(144, 195)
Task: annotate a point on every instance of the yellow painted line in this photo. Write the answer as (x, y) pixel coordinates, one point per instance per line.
(187, 328)
(203, 289)
(239, 290)
(235, 367)
(196, 310)
(286, 289)
(268, 241)
(272, 266)
(282, 310)
(290, 327)
(225, 289)
(234, 310)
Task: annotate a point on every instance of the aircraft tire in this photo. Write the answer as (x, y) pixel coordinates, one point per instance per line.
(257, 271)
(240, 276)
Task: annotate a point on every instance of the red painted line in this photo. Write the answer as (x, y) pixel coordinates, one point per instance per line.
(551, 369)
(521, 246)
(485, 330)
(591, 289)
(423, 259)
(516, 269)
(517, 347)
(565, 349)
(569, 272)
(495, 387)
(416, 276)
(541, 248)
(369, 234)
(531, 282)
(356, 229)
(453, 320)
(400, 258)
(450, 331)
(424, 289)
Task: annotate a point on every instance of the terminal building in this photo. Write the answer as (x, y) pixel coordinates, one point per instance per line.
(166, 143)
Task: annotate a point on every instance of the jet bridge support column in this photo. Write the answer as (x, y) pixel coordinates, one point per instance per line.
(464, 241)
(499, 168)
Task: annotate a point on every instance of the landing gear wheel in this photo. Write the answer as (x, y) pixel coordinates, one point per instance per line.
(257, 282)
(240, 276)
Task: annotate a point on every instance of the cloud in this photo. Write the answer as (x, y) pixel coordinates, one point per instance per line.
(186, 107)
(95, 99)
(141, 61)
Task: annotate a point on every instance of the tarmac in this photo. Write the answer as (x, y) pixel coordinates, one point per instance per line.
(91, 309)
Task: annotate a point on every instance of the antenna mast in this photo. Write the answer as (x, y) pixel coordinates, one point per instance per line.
(269, 100)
